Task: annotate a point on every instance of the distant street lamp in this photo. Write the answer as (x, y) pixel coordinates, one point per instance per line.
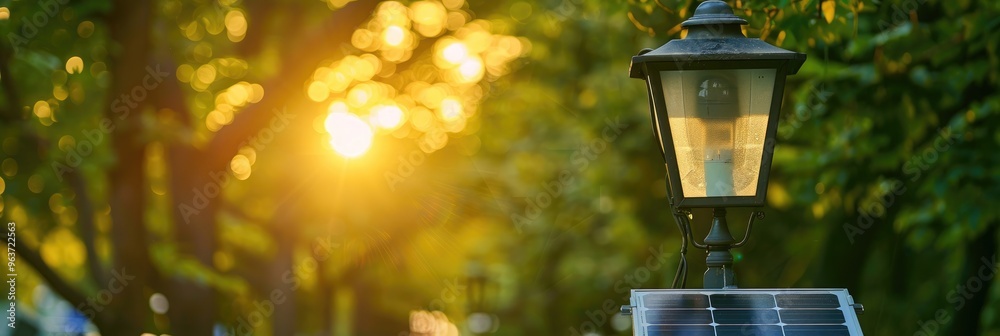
(714, 99)
(479, 320)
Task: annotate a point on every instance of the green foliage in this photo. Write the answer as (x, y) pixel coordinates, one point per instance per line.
(885, 178)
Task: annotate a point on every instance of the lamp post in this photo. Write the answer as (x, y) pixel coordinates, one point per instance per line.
(714, 100)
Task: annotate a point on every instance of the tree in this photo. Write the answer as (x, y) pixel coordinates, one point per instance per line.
(185, 144)
(152, 116)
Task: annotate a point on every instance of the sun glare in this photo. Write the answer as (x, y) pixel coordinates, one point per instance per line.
(349, 135)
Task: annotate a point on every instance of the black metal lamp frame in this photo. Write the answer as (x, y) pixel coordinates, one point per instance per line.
(715, 41)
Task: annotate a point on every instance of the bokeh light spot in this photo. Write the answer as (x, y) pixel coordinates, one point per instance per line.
(394, 35)
(257, 92)
(359, 95)
(240, 165)
(430, 17)
(74, 65)
(387, 116)
(520, 11)
(236, 23)
(453, 4)
(338, 107)
(184, 72)
(480, 323)
(362, 39)
(471, 70)
(318, 91)
(239, 94)
(84, 29)
(158, 303)
(36, 184)
(206, 73)
(455, 53)
(451, 109)
(236, 26)
(9, 168)
(59, 93)
(42, 109)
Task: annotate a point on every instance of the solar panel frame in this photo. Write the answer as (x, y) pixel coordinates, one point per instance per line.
(717, 312)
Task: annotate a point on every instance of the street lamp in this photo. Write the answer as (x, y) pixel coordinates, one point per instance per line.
(714, 99)
(479, 320)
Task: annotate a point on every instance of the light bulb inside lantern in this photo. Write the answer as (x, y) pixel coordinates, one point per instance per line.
(718, 110)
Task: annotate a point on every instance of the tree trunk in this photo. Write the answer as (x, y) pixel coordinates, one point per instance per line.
(129, 26)
(968, 309)
(196, 191)
(284, 318)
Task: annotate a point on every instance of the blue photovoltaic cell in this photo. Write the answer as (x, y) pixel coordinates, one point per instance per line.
(686, 330)
(742, 300)
(662, 301)
(746, 330)
(812, 316)
(745, 316)
(679, 316)
(736, 312)
(807, 301)
(816, 330)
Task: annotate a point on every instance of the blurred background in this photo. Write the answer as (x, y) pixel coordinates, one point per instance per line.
(471, 167)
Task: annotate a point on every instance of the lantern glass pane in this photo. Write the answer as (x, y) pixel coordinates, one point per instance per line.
(718, 120)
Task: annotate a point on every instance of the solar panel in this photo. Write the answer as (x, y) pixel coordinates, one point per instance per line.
(744, 312)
